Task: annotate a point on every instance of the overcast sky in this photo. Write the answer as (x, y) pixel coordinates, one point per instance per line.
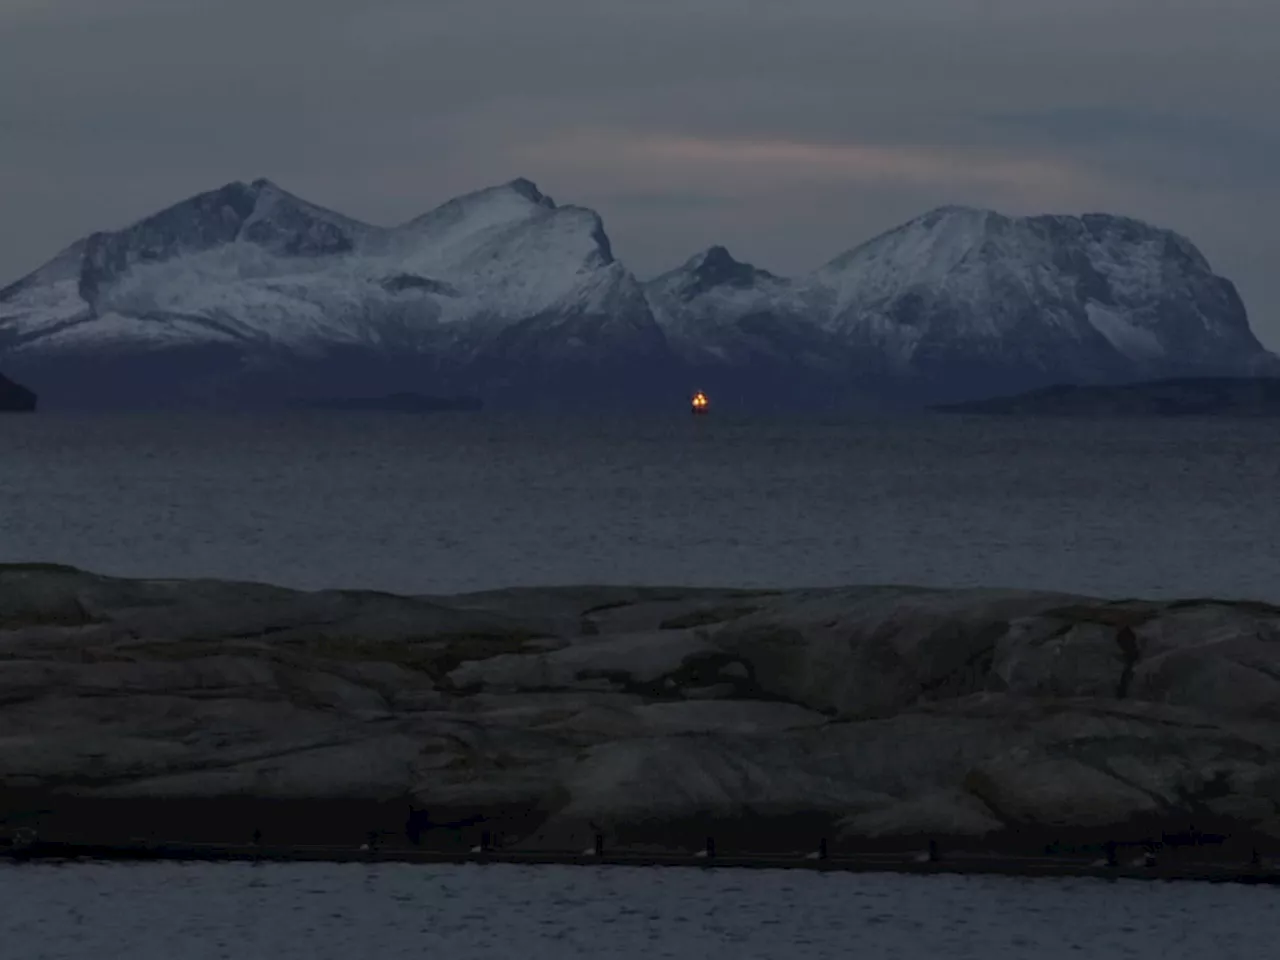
(787, 131)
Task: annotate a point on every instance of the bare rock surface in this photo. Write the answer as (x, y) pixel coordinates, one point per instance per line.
(1002, 719)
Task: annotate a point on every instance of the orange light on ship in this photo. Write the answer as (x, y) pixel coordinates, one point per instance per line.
(699, 403)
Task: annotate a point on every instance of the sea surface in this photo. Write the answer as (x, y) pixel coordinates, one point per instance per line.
(387, 912)
(440, 504)
(455, 502)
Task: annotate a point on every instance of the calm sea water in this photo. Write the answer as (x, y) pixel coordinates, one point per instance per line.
(450, 503)
(385, 912)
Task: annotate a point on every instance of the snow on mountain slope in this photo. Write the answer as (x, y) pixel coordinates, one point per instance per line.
(45, 300)
(756, 340)
(926, 250)
(249, 290)
(512, 250)
(960, 302)
(459, 228)
(504, 292)
(714, 288)
(716, 309)
(206, 270)
(251, 265)
(1090, 297)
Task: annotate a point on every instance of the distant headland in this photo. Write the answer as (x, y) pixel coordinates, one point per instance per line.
(15, 398)
(1184, 397)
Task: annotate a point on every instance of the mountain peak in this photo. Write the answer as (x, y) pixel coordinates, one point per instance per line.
(714, 258)
(529, 190)
(956, 217)
(937, 240)
(716, 267)
(955, 210)
(505, 203)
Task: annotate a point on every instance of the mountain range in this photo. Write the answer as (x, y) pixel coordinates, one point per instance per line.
(250, 296)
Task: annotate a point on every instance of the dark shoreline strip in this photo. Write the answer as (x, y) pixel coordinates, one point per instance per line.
(1029, 867)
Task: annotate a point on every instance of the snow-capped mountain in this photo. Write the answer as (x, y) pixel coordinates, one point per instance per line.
(716, 308)
(961, 292)
(962, 302)
(757, 336)
(248, 294)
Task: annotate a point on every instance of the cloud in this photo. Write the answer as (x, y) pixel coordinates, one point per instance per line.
(1188, 147)
(666, 156)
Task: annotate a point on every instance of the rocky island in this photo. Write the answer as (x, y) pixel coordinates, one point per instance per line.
(15, 398)
(865, 718)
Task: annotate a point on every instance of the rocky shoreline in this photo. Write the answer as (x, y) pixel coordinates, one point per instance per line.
(541, 722)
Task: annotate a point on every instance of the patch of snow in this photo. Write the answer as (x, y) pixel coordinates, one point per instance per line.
(1131, 340)
(41, 307)
(927, 250)
(115, 329)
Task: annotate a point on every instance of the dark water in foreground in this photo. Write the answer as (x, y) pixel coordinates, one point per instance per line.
(384, 912)
(455, 502)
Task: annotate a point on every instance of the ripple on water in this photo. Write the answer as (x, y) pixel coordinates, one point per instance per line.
(388, 911)
(441, 504)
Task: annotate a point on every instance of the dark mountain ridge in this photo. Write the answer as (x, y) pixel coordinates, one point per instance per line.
(15, 398)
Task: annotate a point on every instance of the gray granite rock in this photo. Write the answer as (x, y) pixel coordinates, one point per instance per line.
(870, 715)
